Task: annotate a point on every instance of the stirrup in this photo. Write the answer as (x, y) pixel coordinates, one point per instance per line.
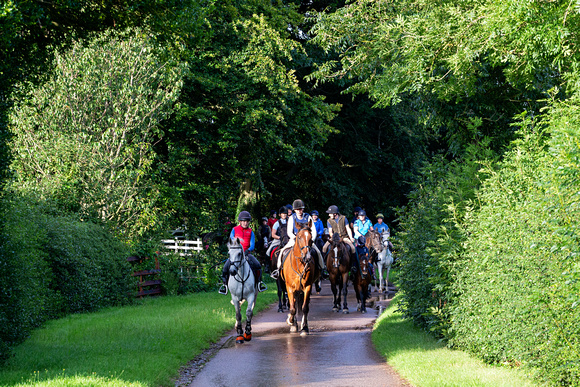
(262, 287)
(275, 274)
(223, 290)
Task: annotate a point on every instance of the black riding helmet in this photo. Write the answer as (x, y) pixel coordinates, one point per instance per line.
(362, 213)
(332, 210)
(244, 215)
(362, 240)
(298, 204)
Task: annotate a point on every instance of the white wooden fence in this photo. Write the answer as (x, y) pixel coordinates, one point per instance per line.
(183, 247)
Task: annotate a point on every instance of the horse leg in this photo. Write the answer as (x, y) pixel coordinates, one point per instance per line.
(280, 296)
(249, 313)
(336, 299)
(291, 320)
(364, 296)
(239, 330)
(357, 290)
(305, 308)
(345, 285)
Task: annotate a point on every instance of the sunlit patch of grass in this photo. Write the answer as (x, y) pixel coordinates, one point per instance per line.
(425, 362)
(140, 345)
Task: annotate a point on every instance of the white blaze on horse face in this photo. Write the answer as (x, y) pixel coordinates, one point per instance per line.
(336, 251)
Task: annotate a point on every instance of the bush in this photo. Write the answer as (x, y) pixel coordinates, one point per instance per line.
(519, 289)
(53, 265)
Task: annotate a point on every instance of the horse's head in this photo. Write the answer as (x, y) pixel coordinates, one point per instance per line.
(304, 240)
(385, 238)
(235, 250)
(374, 241)
(364, 265)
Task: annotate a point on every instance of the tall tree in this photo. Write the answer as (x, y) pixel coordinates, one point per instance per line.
(85, 136)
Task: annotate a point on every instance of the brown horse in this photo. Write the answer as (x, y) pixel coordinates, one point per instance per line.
(374, 243)
(361, 283)
(299, 272)
(338, 266)
(282, 296)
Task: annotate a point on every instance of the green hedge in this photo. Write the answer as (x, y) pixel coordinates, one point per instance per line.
(52, 265)
(520, 287)
(495, 270)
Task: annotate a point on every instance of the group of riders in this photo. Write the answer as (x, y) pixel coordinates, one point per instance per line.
(281, 233)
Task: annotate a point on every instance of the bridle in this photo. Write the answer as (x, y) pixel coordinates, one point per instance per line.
(305, 257)
(238, 263)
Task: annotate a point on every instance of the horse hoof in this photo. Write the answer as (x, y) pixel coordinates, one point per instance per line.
(345, 311)
(304, 333)
(363, 311)
(293, 329)
(247, 336)
(240, 340)
(280, 310)
(335, 309)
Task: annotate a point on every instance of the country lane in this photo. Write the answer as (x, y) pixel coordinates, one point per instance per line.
(338, 351)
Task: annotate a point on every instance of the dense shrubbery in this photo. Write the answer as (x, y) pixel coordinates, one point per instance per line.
(519, 288)
(497, 272)
(57, 265)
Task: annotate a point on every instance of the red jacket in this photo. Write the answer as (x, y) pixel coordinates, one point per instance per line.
(245, 235)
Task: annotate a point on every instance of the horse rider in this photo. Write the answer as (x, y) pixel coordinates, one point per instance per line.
(319, 228)
(299, 216)
(338, 223)
(272, 219)
(265, 233)
(356, 211)
(380, 226)
(362, 225)
(247, 238)
(279, 232)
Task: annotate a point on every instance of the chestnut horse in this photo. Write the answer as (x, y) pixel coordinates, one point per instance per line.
(299, 272)
(362, 280)
(338, 266)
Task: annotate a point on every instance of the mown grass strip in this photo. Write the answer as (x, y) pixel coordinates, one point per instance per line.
(425, 362)
(140, 345)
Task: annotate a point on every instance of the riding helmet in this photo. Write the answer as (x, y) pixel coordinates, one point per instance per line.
(357, 209)
(314, 212)
(379, 215)
(298, 204)
(362, 213)
(272, 212)
(244, 215)
(283, 210)
(332, 210)
(362, 240)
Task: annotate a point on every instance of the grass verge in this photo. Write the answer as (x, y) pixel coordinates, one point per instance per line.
(425, 362)
(140, 345)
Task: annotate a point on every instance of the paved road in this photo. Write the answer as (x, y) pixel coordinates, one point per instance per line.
(337, 352)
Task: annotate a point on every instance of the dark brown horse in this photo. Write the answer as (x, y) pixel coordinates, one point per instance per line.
(361, 283)
(282, 295)
(338, 265)
(299, 271)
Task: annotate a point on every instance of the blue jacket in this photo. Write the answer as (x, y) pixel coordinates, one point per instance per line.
(382, 226)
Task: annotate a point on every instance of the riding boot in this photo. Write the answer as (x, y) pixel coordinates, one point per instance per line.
(261, 286)
(225, 277)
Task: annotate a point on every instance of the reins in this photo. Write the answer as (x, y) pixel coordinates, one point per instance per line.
(237, 265)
